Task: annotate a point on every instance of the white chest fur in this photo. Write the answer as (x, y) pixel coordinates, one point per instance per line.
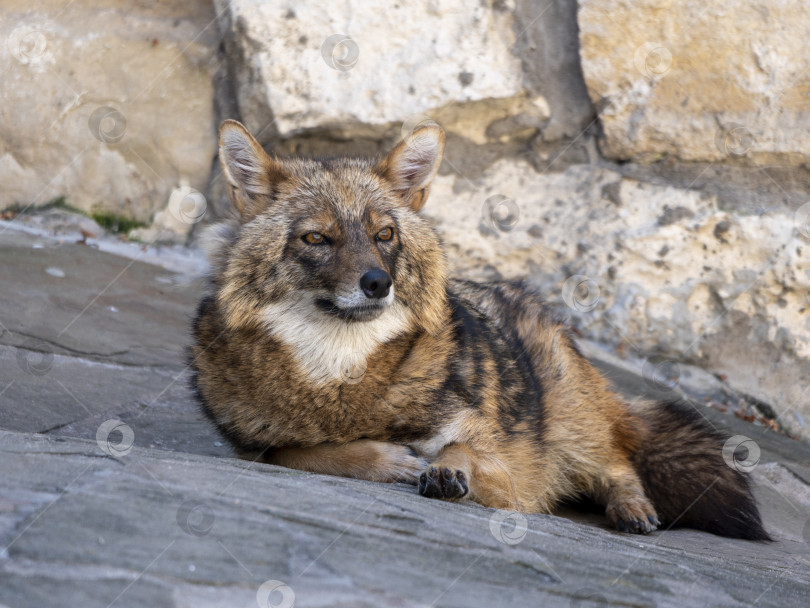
(327, 348)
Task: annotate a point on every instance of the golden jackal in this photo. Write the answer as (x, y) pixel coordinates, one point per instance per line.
(333, 340)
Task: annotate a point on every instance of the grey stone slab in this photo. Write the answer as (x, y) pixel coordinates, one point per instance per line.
(62, 297)
(104, 341)
(28, 589)
(157, 520)
(73, 396)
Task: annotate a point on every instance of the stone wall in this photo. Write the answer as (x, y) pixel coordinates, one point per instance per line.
(645, 163)
(699, 81)
(108, 104)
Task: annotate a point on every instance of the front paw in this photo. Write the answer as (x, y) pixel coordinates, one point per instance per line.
(634, 515)
(441, 482)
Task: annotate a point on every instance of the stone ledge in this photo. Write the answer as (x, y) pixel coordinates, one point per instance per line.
(157, 528)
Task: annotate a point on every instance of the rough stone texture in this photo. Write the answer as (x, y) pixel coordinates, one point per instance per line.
(660, 269)
(110, 106)
(186, 207)
(86, 336)
(699, 80)
(457, 62)
(94, 305)
(157, 528)
(174, 520)
(502, 78)
(547, 44)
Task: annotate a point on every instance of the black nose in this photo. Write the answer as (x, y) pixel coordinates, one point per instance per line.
(375, 283)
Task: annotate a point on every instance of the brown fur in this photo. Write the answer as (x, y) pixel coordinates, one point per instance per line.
(479, 381)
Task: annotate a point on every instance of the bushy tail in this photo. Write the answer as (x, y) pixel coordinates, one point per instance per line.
(685, 475)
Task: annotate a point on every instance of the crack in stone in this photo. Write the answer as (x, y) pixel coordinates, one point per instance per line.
(58, 345)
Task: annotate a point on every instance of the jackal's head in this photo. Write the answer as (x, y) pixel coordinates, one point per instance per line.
(335, 241)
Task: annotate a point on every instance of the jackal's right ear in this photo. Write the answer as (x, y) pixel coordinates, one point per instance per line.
(251, 173)
(412, 165)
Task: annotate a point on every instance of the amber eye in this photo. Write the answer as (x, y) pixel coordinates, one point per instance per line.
(314, 238)
(386, 234)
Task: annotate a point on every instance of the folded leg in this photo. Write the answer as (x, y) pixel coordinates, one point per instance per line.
(361, 459)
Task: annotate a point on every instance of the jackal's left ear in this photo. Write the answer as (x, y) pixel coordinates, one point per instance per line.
(413, 164)
(251, 173)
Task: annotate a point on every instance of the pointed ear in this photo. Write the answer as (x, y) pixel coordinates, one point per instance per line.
(251, 173)
(412, 165)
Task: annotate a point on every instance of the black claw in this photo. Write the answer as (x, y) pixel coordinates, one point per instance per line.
(429, 487)
(637, 526)
(653, 520)
(462, 482)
